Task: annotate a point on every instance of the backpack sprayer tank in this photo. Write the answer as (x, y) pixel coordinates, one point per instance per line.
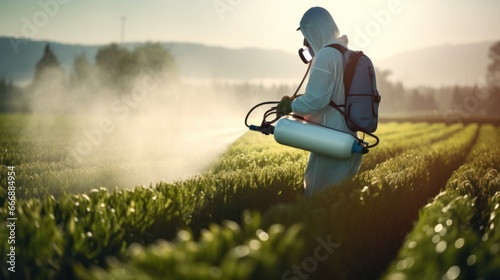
(313, 137)
(318, 139)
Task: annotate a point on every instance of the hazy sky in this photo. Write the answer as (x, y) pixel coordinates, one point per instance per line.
(379, 27)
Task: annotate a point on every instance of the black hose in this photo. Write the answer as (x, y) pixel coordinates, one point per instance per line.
(376, 140)
(301, 82)
(266, 114)
(273, 109)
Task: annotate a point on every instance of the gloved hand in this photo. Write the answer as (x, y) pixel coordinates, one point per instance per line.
(285, 106)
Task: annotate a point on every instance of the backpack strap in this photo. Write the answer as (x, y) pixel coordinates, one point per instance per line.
(342, 50)
(350, 68)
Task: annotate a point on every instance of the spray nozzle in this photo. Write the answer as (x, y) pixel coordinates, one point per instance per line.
(254, 127)
(264, 127)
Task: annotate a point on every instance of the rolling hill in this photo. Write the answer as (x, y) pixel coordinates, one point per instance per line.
(433, 66)
(440, 65)
(194, 61)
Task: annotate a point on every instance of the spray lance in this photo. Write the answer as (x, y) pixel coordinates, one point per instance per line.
(294, 131)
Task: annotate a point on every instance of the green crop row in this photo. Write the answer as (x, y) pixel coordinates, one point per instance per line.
(44, 165)
(58, 233)
(457, 235)
(396, 143)
(253, 150)
(380, 213)
(227, 251)
(27, 139)
(363, 224)
(390, 129)
(395, 139)
(180, 230)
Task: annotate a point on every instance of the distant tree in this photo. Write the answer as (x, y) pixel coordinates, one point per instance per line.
(493, 79)
(82, 70)
(117, 66)
(393, 94)
(457, 95)
(430, 103)
(48, 67)
(4, 96)
(3, 87)
(48, 92)
(154, 58)
(11, 97)
(414, 101)
(493, 73)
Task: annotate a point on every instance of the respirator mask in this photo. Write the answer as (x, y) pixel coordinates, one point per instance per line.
(306, 53)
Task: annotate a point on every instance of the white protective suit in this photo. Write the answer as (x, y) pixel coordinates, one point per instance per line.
(325, 84)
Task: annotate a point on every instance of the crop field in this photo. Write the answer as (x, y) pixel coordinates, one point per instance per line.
(425, 205)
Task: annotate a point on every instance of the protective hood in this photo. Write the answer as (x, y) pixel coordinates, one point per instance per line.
(319, 28)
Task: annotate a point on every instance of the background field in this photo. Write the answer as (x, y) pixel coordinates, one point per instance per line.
(425, 205)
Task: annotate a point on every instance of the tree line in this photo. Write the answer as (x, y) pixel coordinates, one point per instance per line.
(451, 102)
(113, 71)
(116, 68)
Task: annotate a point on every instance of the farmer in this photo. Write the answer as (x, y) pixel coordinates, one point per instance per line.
(325, 84)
